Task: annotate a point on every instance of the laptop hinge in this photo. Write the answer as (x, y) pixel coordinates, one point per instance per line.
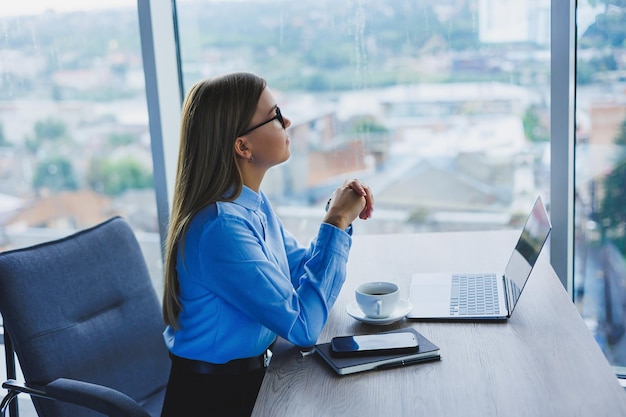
(507, 303)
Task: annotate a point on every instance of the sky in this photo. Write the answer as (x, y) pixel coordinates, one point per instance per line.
(586, 13)
(29, 7)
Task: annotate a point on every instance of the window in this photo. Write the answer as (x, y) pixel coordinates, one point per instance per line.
(600, 192)
(74, 140)
(441, 106)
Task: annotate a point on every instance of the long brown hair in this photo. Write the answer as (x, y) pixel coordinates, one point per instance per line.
(214, 114)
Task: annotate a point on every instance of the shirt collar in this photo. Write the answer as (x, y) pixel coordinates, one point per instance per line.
(249, 199)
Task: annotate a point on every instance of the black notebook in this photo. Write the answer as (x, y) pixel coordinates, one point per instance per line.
(427, 351)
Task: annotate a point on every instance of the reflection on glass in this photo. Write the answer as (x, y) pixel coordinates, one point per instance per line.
(600, 229)
(440, 106)
(527, 251)
(74, 140)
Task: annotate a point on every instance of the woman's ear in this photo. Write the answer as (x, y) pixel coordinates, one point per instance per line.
(241, 148)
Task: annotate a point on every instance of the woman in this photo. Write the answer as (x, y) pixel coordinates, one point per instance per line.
(234, 278)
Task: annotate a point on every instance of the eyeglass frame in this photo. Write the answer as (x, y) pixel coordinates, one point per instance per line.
(278, 116)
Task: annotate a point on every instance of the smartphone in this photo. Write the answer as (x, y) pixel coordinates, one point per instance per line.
(374, 344)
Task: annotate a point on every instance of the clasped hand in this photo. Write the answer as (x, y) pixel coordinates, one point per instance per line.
(353, 199)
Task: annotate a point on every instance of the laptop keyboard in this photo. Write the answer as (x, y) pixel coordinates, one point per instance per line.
(475, 294)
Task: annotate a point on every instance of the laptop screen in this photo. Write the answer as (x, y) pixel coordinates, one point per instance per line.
(523, 258)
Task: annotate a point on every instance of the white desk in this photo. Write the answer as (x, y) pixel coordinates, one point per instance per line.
(542, 362)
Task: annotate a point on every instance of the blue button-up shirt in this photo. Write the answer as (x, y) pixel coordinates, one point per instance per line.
(244, 279)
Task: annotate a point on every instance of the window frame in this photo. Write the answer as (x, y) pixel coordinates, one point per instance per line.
(160, 51)
(164, 95)
(562, 139)
(163, 71)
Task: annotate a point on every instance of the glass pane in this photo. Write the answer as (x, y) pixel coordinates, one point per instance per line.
(74, 139)
(600, 229)
(441, 106)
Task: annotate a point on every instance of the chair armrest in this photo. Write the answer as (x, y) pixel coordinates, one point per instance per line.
(22, 387)
(93, 396)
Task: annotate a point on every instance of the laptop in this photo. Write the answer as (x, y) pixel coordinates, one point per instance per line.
(482, 296)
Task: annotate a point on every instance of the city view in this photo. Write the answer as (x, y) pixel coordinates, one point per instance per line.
(442, 107)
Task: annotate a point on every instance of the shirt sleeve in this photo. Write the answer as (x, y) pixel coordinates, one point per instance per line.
(239, 269)
(298, 255)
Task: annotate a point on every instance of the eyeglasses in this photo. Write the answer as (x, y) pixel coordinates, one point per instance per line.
(278, 117)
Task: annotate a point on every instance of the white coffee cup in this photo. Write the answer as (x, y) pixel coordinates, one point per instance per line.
(378, 299)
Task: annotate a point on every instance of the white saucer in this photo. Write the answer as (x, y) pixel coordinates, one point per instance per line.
(404, 307)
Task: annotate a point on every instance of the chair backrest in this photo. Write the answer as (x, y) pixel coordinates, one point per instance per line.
(84, 307)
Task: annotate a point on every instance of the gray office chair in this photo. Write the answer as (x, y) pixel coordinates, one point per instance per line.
(85, 322)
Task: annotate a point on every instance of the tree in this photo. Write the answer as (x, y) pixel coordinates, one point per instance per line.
(113, 177)
(3, 138)
(607, 3)
(50, 129)
(609, 28)
(612, 215)
(621, 136)
(534, 129)
(369, 125)
(55, 174)
(47, 130)
(121, 139)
